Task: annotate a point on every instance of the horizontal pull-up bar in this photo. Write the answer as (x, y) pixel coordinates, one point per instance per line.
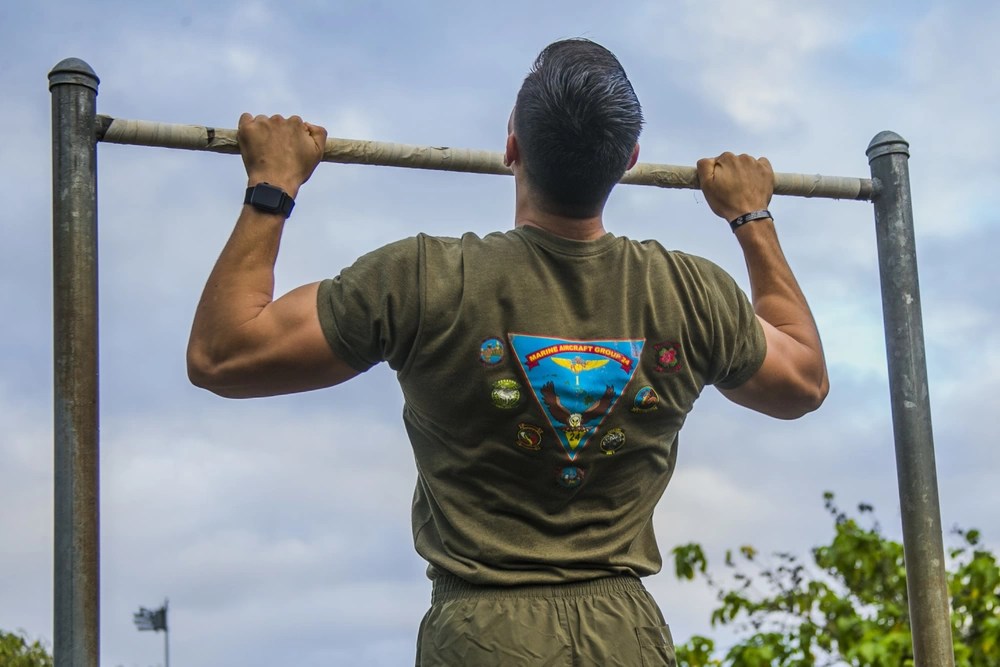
(352, 151)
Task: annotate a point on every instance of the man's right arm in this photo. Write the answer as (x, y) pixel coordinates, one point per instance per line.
(244, 342)
(793, 378)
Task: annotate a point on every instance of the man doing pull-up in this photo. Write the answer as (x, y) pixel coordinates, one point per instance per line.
(546, 370)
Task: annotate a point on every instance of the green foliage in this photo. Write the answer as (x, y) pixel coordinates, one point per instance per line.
(847, 607)
(17, 651)
(697, 652)
(688, 559)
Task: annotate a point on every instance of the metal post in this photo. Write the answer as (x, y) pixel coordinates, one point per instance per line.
(74, 254)
(927, 588)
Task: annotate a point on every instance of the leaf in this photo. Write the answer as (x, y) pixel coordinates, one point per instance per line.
(689, 558)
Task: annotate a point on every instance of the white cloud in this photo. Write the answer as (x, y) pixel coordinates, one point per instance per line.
(728, 55)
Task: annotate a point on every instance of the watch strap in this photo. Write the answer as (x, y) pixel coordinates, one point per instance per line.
(269, 199)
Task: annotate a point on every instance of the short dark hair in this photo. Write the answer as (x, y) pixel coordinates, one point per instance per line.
(577, 120)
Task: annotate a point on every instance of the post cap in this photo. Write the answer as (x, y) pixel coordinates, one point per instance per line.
(886, 143)
(73, 71)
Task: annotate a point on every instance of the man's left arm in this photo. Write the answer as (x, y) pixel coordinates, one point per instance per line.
(245, 343)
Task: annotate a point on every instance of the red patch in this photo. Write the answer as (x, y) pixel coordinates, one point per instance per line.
(529, 436)
(668, 357)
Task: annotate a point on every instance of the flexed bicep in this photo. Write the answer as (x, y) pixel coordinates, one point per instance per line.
(281, 350)
(791, 382)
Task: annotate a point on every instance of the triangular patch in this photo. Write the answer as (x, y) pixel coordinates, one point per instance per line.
(576, 383)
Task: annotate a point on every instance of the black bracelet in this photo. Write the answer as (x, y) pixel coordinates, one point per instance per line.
(749, 217)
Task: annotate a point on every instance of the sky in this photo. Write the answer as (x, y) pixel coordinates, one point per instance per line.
(279, 528)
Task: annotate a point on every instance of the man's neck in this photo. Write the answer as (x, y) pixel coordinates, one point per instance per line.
(577, 229)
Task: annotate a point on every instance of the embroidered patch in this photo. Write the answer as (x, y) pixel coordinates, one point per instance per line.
(668, 357)
(570, 477)
(613, 441)
(529, 436)
(646, 400)
(506, 394)
(491, 352)
(576, 383)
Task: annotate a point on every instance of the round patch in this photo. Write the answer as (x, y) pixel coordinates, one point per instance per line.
(570, 477)
(613, 441)
(646, 400)
(529, 436)
(506, 394)
(491, 352)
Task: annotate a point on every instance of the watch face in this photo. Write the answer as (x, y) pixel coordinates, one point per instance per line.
(266, 197)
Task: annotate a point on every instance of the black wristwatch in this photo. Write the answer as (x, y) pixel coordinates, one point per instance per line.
(269, 199)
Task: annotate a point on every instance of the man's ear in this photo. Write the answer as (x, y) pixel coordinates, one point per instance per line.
(635, 158)
(511, 152)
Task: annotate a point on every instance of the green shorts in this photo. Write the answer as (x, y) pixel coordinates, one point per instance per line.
(612, 622)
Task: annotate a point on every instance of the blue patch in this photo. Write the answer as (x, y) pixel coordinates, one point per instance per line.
(570, 477)
(646, 400)
(491, 351)
(576, 383)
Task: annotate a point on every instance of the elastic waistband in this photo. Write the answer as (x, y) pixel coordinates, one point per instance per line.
(450, 587)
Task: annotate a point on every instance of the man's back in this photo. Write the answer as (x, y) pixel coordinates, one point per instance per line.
(545, 382)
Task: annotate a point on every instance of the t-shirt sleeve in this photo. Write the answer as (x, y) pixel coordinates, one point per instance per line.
(371, 311)
(738, 344)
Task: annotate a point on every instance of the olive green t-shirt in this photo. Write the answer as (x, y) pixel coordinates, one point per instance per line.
(545, 381)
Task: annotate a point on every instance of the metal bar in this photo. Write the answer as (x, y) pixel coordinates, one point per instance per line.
(352, 151)
(926, 584)
(73, 85)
